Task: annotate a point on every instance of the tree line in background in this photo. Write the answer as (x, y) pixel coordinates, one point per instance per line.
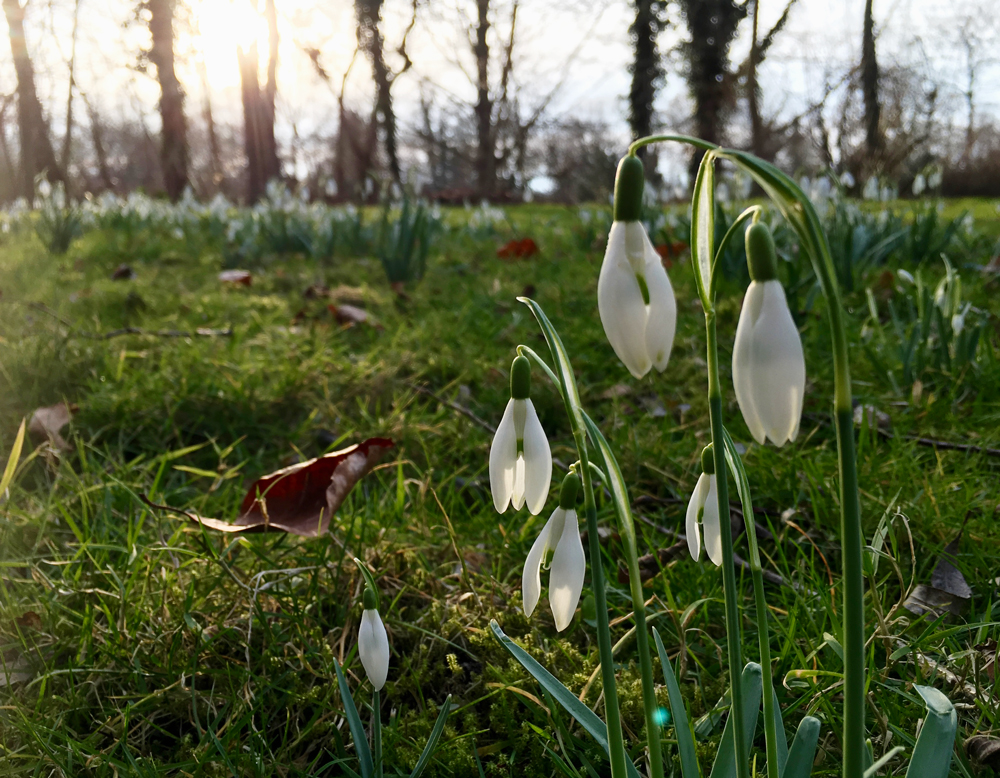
(889, 119)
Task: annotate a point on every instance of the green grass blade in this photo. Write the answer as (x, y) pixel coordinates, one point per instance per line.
(803, 751)
(725, 758)
(15, 456)
(584, 716)
(432, 741)
(932, 754)
(354, 722)
(779, 730)
(682, 728)
(886, 758)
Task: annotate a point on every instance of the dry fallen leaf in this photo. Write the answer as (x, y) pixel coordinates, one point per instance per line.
(948, 592)
(242, 277)
(618, 390)
(300, 499)
(29, 620)
(46, 423)
(984, 750)
(122, 273)
(349, 314)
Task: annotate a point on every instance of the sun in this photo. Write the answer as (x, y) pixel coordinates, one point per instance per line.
(224, 26)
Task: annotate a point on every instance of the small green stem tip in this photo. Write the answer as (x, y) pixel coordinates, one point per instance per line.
(520, 378)
(568, 493)
(708, 460)
(762, 260)
(629, 182)
(369, 599)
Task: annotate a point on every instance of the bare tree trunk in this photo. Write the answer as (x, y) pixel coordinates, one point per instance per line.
(371, 41)
(712, 25)
(252, 119)
(97, 139)
(68, 137)
(646, 70)
(173, 135)
(272, 167)
(753, 90)
(37, 154)
(215, 156)
(485, 150)
(869, 85)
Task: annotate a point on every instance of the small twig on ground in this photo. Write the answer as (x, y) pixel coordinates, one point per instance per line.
(202, 332)
(456, 407)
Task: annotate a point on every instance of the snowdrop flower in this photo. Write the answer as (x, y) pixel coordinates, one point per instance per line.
(769, 369)
(561, 534)
(520, 459)
(703, 512)
(634, 295)
(373, 643)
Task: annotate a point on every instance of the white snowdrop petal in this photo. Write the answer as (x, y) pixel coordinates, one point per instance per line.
(569, 565)
(537, 462)
(780, 368)
(503, 452)
(711, 524)
(744, 367)
(662, 322)
(531, 577)
(695, 504)
(373, 648)
(517, 493)
(620, 304)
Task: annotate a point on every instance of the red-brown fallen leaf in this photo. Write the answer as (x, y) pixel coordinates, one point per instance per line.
(518, 249)
(301, 499)
(123, 273)
(46, 423)
(242, 277)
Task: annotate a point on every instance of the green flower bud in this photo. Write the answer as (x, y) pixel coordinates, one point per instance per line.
(370, 599)
(570, 487)
(761, 257)
(708, 460)
(629, 182)
(520, 378)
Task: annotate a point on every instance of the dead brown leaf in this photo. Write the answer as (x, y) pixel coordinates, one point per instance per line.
(300, 499)
(349, 314)
(236, 277)
(29, 620)
(984, 750)
(46, 423)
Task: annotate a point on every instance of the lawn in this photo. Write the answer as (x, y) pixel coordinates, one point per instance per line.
(137, 643)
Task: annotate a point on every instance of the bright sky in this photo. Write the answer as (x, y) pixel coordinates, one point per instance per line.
(581, 45)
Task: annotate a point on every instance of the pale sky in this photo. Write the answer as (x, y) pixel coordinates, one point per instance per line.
(580, 44)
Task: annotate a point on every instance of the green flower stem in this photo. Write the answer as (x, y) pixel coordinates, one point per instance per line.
(616, 741)
(728, 568)
(377, 732)
(635, 585)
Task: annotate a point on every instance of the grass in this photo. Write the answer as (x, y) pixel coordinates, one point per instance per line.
(145, 646)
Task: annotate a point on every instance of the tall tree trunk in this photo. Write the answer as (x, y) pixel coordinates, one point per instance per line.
(214, 155)
(869, 85)
(646, 70)
(37, 154)
(712, 26)
(272, 167)
(97, 139)
(252, 119)
(173, 135)
(371, 41)
(485, 150)
(67, 148)
(753, 89)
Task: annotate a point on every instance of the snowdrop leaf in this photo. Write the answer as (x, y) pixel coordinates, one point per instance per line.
(803, 751)
(354, 722)
(432, 741)
(725, 758)
(932, 753)
(616, 484)
(682, 729)
(587, 719)
(564, 370)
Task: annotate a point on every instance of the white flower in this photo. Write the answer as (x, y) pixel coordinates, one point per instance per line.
(636, 300)
(704, 505)
(769, 369)
(373, 647)
(520, 459)
(562, 534)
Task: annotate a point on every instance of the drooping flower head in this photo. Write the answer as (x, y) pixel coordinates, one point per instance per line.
(561, 534)
(373, 643)
(634, 295)
(703, 512)
(520, 459)
(769, 368)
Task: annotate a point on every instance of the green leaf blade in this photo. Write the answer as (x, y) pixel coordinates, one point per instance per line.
(354, 722)
(682, 728)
